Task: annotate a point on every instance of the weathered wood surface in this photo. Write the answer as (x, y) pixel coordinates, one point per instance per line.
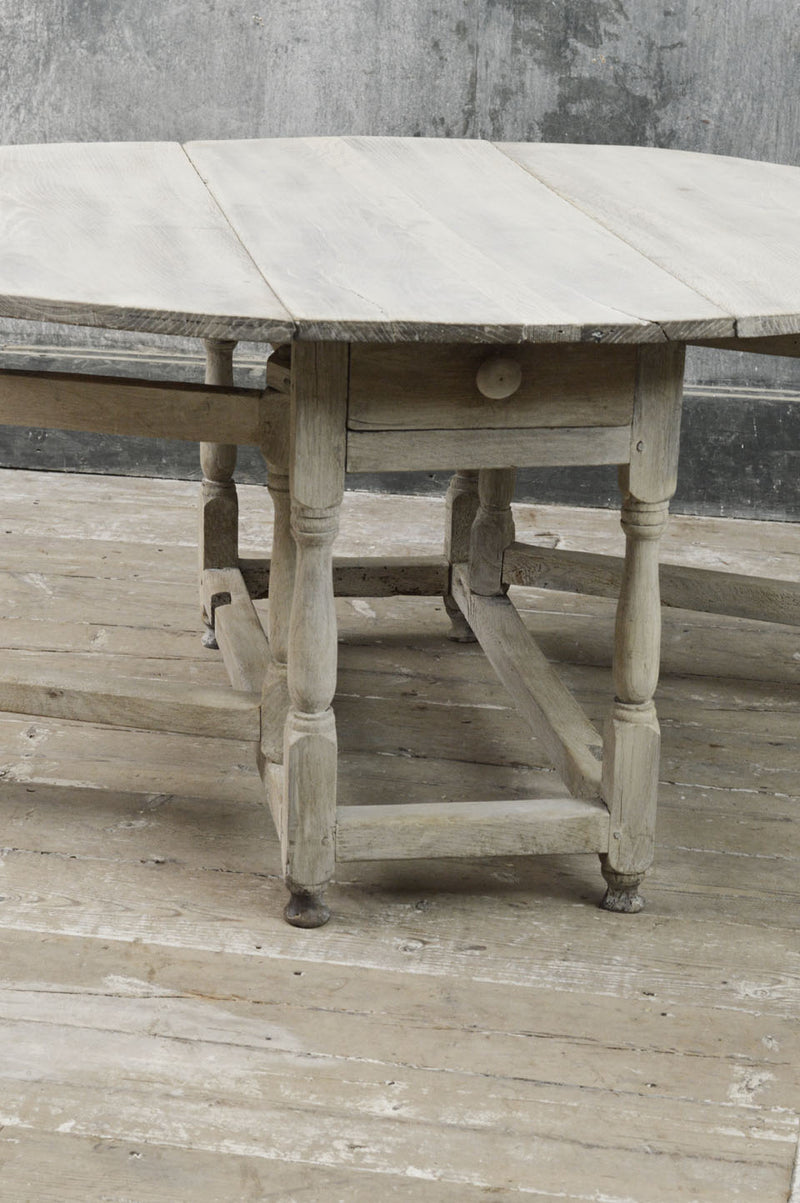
(476, 829)
(712, 591)
(492, 531)
(166, 1036)
(655, 430)
(112, 405)
(539, 270)
(726, 227)
(237, 627)
(124, 235)
(397, 387)
(572, 742)
(631, 735)
(365, 576)
(399, 450)
(319, 407)
(279, 584)
(399, 239)
(89, 697)
(328, 222)
(782, 344)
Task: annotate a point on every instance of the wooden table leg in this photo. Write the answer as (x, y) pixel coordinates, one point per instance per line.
(492, 531)
(632, 737)
(219, 506)
(319, 400)
(462, 506)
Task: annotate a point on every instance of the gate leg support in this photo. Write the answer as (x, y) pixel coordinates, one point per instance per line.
(462, 506)
(219, 506)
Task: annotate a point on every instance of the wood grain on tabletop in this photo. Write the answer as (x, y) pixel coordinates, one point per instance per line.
(125, 235)
(726, 227)
(388, 239)
(393, 239)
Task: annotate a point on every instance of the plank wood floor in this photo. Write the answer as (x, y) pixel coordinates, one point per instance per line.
(460, 1031)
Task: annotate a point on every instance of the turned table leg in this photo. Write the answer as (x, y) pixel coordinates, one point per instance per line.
(632, 737)
(219, 507)
(319, 397)
(492, 531)
(310, 733)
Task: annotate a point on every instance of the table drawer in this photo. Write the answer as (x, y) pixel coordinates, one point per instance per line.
(435, 387)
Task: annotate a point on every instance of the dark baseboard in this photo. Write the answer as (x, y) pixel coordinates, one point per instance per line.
(740, 446)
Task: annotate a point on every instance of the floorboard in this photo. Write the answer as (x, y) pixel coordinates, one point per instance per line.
(462, 1030)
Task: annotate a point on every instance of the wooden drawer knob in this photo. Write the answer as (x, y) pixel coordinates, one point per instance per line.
(499, 377)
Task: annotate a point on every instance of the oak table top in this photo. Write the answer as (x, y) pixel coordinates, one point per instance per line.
(400, 239)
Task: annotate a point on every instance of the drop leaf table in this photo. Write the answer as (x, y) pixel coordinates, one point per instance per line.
(432, 304)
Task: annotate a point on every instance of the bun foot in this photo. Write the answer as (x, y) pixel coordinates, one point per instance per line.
(623, 902)
(306, 910)
(622, 895)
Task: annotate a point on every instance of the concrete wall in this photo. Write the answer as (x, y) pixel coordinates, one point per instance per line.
(710, 75)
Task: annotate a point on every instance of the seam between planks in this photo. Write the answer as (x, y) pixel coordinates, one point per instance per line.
(598, 222)
(235, 233)
(632, 317)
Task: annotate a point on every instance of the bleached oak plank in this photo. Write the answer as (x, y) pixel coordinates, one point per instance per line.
(122, 235)
(707, 838)
(409, 742)
(153, 705)
(726, 227)
(404, 450)
(686, 588)
(717, 963)
(481, 970)
(386, 239)
(62, 1168)
(150, 763)
(482, 1035)
(514, 1142)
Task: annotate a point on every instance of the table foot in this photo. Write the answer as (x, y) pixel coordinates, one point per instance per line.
(306, 910)
(210, 639)
(461, 631)
(622, 895)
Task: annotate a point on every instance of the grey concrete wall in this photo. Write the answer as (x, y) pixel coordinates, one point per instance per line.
(712, 75)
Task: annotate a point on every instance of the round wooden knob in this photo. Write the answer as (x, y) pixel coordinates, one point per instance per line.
(499, 377)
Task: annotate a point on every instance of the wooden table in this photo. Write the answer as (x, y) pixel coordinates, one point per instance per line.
(433, 303)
